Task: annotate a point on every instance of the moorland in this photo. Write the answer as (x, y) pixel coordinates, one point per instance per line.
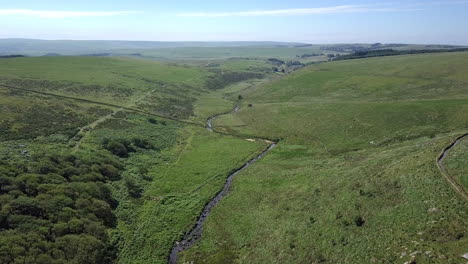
(105, 156)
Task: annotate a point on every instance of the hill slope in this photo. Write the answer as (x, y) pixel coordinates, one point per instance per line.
(95, 164)
(354, 179)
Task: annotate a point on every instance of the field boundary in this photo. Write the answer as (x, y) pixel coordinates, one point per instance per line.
(101, 103)
(440, 159)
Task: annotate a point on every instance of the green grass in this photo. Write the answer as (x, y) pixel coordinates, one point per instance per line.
(297, 206)
(346, 105)
(455, 163)
(109, 80)
(354, 179)
(193, 172)
(222, 101)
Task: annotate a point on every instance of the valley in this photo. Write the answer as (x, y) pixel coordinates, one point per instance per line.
(222, 159)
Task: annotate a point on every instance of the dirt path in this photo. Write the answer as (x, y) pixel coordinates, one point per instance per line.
(195, 233)
(130, 109)
(84, 131)
(440, 163)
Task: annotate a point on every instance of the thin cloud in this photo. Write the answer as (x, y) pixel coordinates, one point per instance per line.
(60, 14)
(293, 12)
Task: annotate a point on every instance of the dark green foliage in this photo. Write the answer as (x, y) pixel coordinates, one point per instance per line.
(11, 56)
(117, 148)
(359, 221)
(122, 147)
(222, 80)
(110, 172)
(311, 55)
(275, 61)
(69, 87)
(40, 120)
(57, 210)
(390, 52)
(294, 63)
(134, 189)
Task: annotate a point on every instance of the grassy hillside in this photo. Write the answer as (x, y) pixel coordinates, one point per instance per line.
(354, 179)
(126, 82)
(85, 180)
(346, 105)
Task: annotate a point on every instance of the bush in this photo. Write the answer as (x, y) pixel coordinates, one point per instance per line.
(110, 172)
(359, 221)
(134, 189)
(117, 149)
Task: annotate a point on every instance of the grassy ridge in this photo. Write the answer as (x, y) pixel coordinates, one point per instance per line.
(355, 179)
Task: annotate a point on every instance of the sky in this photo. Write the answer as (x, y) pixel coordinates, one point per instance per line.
(310, 21)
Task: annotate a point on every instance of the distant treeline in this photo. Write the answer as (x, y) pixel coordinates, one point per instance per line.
(11, 56)
(360, 47)
(224, 79)
(391, 52)
(303, 46)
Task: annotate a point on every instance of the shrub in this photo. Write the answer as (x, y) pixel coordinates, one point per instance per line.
(359, 221)
(110, 172)
(134, 189)
(117, 149)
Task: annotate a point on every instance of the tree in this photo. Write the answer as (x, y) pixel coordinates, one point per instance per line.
(133, 188)
(110, 172)
(26, 206)
(117, 149)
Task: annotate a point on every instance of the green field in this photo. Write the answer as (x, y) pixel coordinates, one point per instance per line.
(354, 179)
(106, 159)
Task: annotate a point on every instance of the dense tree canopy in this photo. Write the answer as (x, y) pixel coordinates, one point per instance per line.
(56, 210)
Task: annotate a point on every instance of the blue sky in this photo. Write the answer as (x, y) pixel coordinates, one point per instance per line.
(326, 21)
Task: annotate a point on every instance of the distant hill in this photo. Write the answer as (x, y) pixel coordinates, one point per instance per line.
(36, 47)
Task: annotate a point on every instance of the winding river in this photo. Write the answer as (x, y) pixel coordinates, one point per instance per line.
(195, 233)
